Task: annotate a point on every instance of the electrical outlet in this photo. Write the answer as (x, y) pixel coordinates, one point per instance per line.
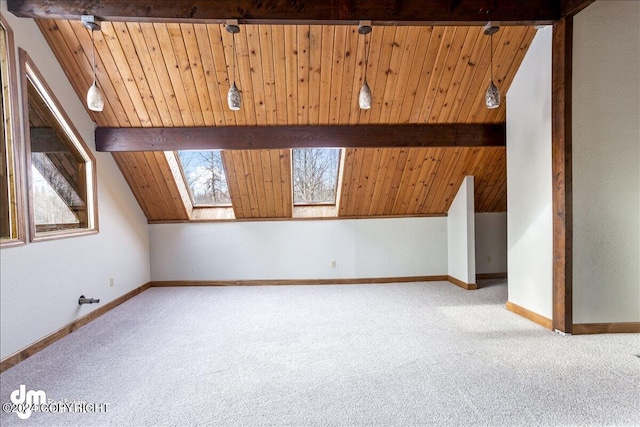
(333, 263)
(488, 260)
(111, 282)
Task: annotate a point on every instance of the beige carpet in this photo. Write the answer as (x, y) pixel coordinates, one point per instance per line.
(399, 354)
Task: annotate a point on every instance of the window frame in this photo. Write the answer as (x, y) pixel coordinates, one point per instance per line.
(13, 146)
(190, 190)
(28, 68)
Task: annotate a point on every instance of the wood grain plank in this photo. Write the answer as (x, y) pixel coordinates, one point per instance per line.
(196, 68)
(278, 176)
(412, 114)
(380, 55)
(436, 74)
(245, 79)
(349, 96)
(279, 59)
(339, 43)
(157, 65)
(212, 92)
(173, 71)
(417, 42)
(291, 73)
(233, 183)
(268, 75)
(255, 54)
(302, 79)
(222, 69)
(398, 50)
(315, 73)
(146, 64)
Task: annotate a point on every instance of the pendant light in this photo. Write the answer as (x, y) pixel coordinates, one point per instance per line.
(233, 97)
(364, 99)
(95, 100)
(492, 96)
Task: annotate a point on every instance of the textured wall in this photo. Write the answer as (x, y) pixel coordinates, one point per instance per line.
(529, 197)
(40, 282)
(606, 162)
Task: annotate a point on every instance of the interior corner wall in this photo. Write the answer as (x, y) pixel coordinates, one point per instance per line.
(491, 242)
(272, 250)
(40, 282)
(529, 186)
(461, 234)
(606, 159)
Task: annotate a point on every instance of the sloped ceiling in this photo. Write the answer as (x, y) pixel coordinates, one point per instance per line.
(175, 75)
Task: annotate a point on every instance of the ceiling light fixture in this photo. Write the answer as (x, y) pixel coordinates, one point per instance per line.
(364, 99)
(95, 100)
(233, 97)
(492, 96)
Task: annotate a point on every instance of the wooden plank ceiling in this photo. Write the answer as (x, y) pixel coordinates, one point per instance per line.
(177, 75)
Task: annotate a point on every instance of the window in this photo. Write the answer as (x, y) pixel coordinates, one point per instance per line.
(11, 221)
(60, 167)
(315, 175)
(205, 176)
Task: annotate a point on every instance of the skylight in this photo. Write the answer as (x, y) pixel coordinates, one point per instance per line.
(205, 176)
(315, 175)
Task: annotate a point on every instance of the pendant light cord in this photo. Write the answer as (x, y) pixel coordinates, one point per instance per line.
(233, 47)
(93, 44)
(491, 60)
(366, 57)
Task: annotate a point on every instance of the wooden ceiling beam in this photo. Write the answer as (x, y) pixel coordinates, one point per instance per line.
(380, 12)
(569, 8)
(283, 137)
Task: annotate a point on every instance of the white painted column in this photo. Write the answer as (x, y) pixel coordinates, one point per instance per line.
(461, 234)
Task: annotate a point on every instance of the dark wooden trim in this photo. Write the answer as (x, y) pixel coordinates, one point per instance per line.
(46, 140)
(528, 314)
(283, 137)
(569, 8)
(562, 205)
(463, 285)
(305, 282)
(489, 276)
(324, 218)
(389, 12)
(32, 349)
(606, 328)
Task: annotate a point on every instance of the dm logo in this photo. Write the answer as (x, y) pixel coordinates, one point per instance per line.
(26, 400)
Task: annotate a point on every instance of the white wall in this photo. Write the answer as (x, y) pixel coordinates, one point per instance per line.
(299, 249)
(529, 196)
(606, 159)
(40, 282)
(461, 234)
(491, 242)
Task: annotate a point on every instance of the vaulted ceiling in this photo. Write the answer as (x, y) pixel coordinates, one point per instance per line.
(163, 74)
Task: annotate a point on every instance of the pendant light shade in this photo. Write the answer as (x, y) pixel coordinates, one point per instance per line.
(492, 95)
(95, 101)
(364, 99)
(233, 98)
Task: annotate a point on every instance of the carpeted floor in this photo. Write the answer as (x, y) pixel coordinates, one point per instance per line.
(399, 354)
